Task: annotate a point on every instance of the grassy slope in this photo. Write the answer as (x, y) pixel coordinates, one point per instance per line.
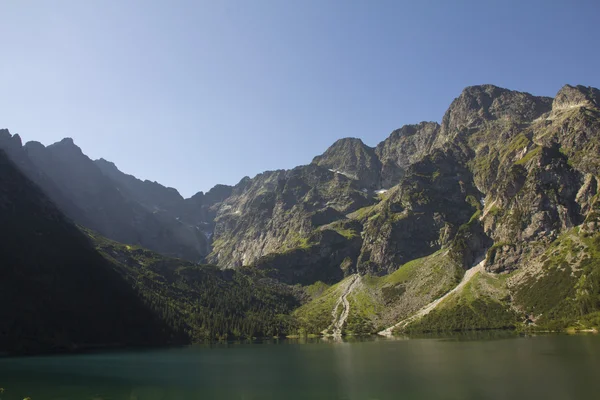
(380, 301)
(561, 288)
(315, 316)
(483, 303)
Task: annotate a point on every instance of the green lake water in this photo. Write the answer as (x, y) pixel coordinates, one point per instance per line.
(542, 367)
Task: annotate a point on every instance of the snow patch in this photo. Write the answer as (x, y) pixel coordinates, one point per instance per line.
(380, 191)
(343, 173)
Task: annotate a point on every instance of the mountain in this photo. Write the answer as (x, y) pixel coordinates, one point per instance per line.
(488, 220)
(97, 195)
(528, 168)
(65, 289)
(57, 292)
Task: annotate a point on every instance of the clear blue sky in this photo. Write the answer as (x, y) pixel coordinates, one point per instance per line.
(194, 93)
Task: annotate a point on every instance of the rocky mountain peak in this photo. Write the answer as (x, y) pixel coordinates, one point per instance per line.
(345, 146)
(67, 148)
(410, 130)
(576, 96)
(218, 193)
(215, 195)
(8, 140)
(34, 145)
(106, 164)
(481, 103)
(403, 147)
(352, 158)
(67, 141)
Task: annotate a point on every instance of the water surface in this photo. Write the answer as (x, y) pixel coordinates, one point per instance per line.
(548, 367)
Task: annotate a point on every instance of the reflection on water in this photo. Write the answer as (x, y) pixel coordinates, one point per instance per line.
(484, 366)
(469, 335)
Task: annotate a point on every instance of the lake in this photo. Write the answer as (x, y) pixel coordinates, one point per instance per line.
(461, 367)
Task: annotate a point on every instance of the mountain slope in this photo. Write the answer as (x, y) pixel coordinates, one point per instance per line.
(203, 302)
(100, 200)
(56, 291)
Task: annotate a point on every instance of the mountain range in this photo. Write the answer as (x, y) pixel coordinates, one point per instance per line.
(488, 220)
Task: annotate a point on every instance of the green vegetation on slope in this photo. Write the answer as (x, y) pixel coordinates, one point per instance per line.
(345, 228)
(565, 292)
(202, 301)
(481, 304)
(378, 302)
(56, 292)
(315, 316)
(362, 309)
